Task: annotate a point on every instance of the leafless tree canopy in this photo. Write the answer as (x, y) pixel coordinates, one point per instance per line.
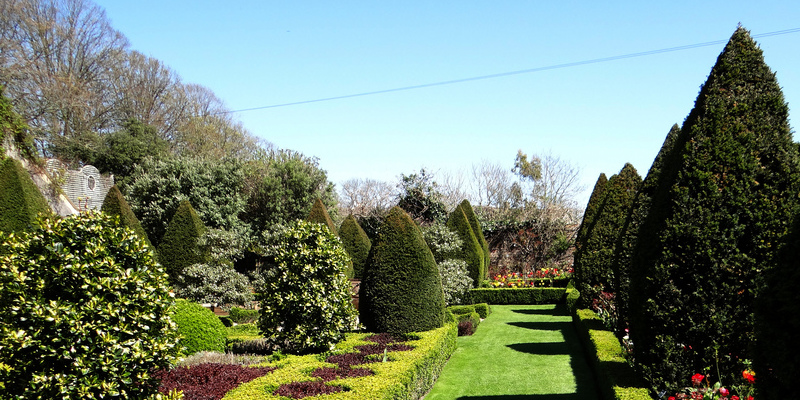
(366, 197)
(69, 73)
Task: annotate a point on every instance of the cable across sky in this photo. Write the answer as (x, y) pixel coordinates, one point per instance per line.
(511, 73)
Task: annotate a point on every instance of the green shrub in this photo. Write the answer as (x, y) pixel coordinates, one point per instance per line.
(725, 200)
(83, 311)
(214, 283)
(20, 199)
(357, 244)
(402, 290)
(595, 200)
(465, 309)
(198, 327)
(243, 315)
(471, 251)
(179, 248)
(594, 261)
(446, 246)
(306, 301)
(319, 214)
(476, 229)
(483, 309)
(115, 204)
(518, 295)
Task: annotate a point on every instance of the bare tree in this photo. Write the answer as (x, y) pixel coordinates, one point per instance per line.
(453, 188)
(366, 197)
(493, 186)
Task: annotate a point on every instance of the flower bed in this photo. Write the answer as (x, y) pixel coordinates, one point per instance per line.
(545, 277)
(406, 374)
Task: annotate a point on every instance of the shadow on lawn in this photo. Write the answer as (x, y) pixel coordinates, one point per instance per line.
(564, 396)
(544, 348)
(537, 311)
(543, 326)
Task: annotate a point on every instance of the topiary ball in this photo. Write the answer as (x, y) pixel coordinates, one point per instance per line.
(198, 327)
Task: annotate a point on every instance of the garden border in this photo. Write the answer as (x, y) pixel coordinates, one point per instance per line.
(537, 295)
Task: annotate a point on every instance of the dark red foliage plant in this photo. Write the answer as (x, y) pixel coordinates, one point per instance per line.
(465, 328)
(207, 381)
(300, 390)
(329, 374)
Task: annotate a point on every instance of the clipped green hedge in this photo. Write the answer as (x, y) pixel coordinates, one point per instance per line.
(406, 375)
(20, 199)
(178, 249)
(518, 295)
(115, 204)
(465, 309)
(357, 244)
(615, 377)
(483, 309)
(242, 315)
(319, 214)
(198, 327)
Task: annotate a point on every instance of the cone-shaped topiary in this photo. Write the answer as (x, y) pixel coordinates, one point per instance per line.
(115, 204)
(476, 229)
(777, 350)
(627, 238)
(319, 214)
(357, 244)
(591, 209)
(20, 199)
(471, 250)
(179, 248)
(593, 264)
(401, 291)
(725, 199)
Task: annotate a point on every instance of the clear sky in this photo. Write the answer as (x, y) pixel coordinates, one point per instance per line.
(598, 115)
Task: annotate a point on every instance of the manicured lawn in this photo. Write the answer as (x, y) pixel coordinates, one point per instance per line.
(518, 352)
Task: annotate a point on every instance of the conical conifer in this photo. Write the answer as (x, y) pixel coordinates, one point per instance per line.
(594, 267)
(591, 209)
(319, 214)
(478, 231)
(722, 206)
(471, 251)
(356, 243)
(401, 291)
(115, 204)
(179, 248)
(20, 199)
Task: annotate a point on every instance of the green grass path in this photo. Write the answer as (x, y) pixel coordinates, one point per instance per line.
(518, 352)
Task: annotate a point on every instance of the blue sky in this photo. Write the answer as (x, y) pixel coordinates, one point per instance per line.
(598, 116)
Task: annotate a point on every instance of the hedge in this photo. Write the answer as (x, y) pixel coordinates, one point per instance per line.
(518, 295)
(20, 199)
(615, 377)
(406, 375)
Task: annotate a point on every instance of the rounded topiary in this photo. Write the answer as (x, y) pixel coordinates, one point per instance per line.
(319, 214)
(306, 300)
(198, 327)
(401, 291)
(115, 204)
(179, 247)
(84, 312)
(471, 251)
(20, 199)
(357, 244)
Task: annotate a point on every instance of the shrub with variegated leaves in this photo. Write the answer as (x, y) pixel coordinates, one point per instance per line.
(83, 312)
(306, 302)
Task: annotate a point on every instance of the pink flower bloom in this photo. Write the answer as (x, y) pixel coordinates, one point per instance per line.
(724, 392)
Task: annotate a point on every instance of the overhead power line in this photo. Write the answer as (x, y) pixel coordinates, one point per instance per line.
(517, 72)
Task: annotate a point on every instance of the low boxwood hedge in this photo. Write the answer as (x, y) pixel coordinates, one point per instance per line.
(483, 309)
(406, 374)
(615, 377)
(518, 295)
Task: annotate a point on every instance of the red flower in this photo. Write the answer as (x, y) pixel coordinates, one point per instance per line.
(671, 398)
(734, 397)
(749, 376)
(724, 392)
(697, 379)
(749, 397)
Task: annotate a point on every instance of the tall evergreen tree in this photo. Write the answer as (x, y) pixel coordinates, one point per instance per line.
(179, 247)
(115, 204)
(628, 235)
(591, 210)
(471, 250)
(593, 269)
(724, 200)
(356, 243)
(478, 231)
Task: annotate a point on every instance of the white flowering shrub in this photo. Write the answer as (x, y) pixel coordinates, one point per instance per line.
(444, 245)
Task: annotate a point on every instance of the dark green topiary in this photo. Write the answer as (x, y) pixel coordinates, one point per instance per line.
(357, 244)
(20, 199)
(777, 350)
(629, 232)
(724, 201)
(476, 229)
(115, 204)
(178, 248)
(319, 214)
(84, 312)
(14, 131)
(471, 250)
(198, 327)
(593, 263)
(401, 291)
(591, 209)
